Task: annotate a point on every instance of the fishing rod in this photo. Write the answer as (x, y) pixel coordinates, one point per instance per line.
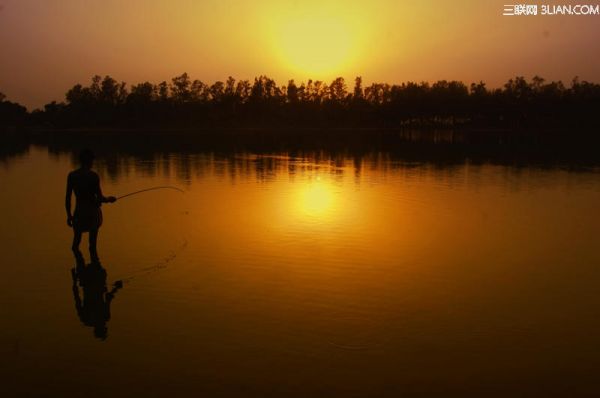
(150, 189)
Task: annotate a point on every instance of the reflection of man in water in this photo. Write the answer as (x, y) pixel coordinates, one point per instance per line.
(88, 215)
(94, 309)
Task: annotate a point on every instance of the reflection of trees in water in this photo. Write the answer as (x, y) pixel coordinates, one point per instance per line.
(11, 146)
(263, 154)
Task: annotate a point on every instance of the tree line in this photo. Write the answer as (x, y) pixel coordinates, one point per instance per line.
(12, 113)
(184, 102)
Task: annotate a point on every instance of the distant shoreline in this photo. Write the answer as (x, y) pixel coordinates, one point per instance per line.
(283, 130)
(243, 107)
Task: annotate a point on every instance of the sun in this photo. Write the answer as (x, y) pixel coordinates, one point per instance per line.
(315, 47)
(317, 44)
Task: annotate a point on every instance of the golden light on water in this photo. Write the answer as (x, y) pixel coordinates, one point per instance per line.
(316, 199)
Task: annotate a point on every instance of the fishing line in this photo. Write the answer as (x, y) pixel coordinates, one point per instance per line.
(151, 189)
(165, 261)
(146, 271)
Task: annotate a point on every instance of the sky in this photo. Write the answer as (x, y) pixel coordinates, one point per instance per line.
(47, 46)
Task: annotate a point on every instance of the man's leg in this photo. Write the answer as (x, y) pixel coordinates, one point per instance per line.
(93, 241)
(76, 241)
(79, 268)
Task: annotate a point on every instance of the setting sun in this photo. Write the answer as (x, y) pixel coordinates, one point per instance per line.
(316, 46)
(317, 42)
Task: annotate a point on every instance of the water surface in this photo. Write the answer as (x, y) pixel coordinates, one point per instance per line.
(281, 274)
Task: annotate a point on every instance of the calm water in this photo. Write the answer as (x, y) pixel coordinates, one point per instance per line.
(305, 276)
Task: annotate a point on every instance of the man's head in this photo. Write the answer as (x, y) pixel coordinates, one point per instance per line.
(86, 158)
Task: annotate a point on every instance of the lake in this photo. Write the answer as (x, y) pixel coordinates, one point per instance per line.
(309, 273)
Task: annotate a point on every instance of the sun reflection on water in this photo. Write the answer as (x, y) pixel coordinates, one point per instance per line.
(316, 199)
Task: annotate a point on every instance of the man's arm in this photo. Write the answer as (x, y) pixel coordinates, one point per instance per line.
(101, 197)
(68, 201)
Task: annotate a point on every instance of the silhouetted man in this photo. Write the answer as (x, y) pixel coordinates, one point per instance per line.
(88, 215)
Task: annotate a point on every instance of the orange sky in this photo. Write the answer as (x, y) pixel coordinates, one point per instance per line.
(47, 46)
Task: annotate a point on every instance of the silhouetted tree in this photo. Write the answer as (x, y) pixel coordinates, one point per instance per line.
(217, 91)
(143, 93)
(519, 104)
(292, 92)
(243, 90)
(11, 113)
(163, 91)
(358, 90)
(180, 88)
(230, 86)
(337, 90)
